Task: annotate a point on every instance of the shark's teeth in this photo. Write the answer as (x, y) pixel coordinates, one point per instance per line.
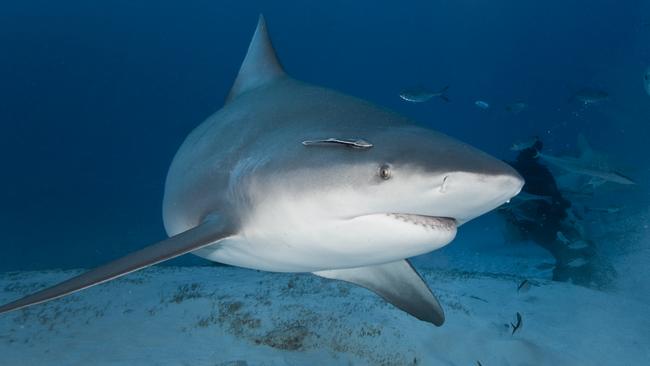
(428, 222)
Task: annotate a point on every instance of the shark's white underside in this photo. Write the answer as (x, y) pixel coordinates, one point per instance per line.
(292, 235)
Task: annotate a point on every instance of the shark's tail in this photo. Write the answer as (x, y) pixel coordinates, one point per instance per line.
(442, 94)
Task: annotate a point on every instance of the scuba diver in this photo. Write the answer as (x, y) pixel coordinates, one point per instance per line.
(541, 214)
(551, 210)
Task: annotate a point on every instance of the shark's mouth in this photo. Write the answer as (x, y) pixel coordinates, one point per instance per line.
(437, 223)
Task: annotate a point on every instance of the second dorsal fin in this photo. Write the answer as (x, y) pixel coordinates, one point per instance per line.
(260, 66)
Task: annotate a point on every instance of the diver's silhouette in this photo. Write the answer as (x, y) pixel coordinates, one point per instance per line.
(540, 181)
(548, 222)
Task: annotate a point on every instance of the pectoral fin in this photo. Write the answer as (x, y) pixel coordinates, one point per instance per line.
(399, 284)
(203, 235)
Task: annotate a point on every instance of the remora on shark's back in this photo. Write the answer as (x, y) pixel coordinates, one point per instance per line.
(292, 177)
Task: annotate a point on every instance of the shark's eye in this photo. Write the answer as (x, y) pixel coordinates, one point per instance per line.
(384, 172)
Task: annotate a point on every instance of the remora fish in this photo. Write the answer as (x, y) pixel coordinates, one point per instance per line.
(361, 195)
(420, 94)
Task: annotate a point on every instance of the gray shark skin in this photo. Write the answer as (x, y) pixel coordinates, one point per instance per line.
(577, 166)
(292, 177)
(589, 163)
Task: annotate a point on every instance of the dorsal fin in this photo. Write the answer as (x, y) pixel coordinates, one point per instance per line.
(260, 66)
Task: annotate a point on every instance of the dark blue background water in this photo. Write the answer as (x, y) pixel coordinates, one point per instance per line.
(95, 97)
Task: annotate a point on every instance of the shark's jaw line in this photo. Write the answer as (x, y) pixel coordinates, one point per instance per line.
(319, 243)
(427, 222)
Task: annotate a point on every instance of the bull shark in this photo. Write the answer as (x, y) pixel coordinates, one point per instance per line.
(589, 163)
(292, 177)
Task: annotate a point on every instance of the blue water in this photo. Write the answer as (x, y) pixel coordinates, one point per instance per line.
(96, 98)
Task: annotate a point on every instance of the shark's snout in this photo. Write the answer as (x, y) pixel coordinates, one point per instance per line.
(506, 180)
(469, 194)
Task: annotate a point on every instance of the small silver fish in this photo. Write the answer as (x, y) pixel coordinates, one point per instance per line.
(481, 104)
(420, 94)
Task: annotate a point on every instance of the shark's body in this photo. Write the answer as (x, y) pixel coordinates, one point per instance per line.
(292, 228)
(577, 166)
(292, 177)
(588, 163)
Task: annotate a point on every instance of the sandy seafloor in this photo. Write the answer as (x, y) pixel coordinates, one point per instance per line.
(219, 315)
(230, 316)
